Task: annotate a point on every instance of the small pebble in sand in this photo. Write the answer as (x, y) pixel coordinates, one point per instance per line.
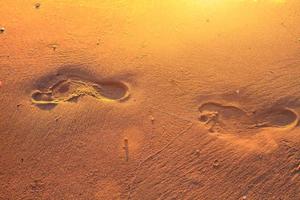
(216, 163)
(37, 5)
(152, 119)
(2, 29)
(197, 152)
(244, 197)
(53, 46)
(0, 84)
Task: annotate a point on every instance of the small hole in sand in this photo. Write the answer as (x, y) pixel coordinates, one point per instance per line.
(203, 118)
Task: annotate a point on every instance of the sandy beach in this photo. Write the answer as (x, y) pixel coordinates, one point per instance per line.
(146, 100)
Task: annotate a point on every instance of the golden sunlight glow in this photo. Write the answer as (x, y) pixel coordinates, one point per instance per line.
(228, 1)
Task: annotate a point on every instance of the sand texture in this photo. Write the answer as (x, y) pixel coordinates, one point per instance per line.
(150, 100)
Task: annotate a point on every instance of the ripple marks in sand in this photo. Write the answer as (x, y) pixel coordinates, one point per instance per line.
(218, 117)
(72, 88)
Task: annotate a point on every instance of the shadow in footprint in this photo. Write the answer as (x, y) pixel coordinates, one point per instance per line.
(112, 90)
(278, 118)
(69, 87)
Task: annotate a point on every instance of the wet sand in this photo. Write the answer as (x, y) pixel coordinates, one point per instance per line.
(188, 99)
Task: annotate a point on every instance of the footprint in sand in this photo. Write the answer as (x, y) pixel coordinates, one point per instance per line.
(229, 118)
(70, 88)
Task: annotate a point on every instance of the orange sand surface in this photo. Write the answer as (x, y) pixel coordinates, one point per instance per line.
(150, 99)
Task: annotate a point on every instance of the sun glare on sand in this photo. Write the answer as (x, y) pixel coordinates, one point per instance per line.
(224, 3)
(218, 1)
